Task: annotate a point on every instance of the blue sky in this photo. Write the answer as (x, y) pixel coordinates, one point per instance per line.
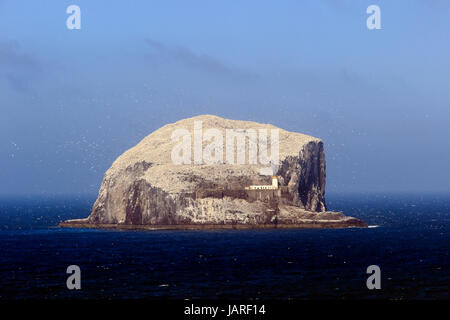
(71, 101)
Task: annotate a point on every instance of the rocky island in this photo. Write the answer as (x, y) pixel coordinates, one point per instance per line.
(171, 181)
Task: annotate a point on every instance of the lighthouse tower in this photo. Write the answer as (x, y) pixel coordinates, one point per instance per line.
(274, 182)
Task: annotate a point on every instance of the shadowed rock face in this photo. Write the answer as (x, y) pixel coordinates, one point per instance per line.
(144, 187)
(305, 174)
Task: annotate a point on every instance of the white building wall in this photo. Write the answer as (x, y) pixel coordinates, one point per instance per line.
(273, 186)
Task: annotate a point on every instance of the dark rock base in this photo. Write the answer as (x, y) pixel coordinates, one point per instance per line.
(353, 223)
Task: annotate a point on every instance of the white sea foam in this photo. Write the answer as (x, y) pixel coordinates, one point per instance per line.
(374, 226)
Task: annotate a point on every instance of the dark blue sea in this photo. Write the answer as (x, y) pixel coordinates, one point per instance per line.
(409, 240)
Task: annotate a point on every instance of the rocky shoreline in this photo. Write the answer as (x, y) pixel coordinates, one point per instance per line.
(307, 225)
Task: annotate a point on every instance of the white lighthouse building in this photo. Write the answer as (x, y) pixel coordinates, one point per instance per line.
(272, 186)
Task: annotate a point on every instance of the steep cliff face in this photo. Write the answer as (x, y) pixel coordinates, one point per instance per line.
(145, 187)
(306, 175)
